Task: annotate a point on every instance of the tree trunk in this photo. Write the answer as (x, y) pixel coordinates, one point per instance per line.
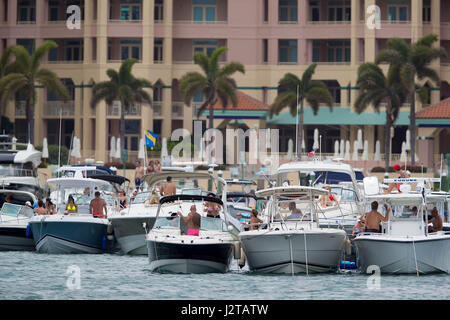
(300, 132)
(412, 125)
(387, 140)
(211, 116)
(122, 131)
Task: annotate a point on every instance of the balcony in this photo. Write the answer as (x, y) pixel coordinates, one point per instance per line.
(115, 109)
(157, 108)
(177, 109)
(57, 108)
(20, 110)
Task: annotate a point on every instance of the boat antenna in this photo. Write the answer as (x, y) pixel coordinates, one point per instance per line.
(440, 175)
(70, 149)
(59, 148)
(320, 148)
(296, 131)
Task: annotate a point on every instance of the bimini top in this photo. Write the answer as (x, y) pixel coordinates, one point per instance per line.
(76, 182)
(292, 191)
(110, 178)
(310, 166)
(241, 181)
(188, 197)
(413, 198)
(153, 178)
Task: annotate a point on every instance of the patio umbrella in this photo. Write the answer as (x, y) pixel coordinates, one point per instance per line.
(336, 149)
(45, 149)
(290, 149)
(355, 150)
(164, 152)
(377, 155)
(347, 150)
(316, 139)
(342, 149)
(360, 139)
(365, 155)
(112, 148)
(76, 148)
(408, 141)
(118, 148)
(403, 154)
(141, 154)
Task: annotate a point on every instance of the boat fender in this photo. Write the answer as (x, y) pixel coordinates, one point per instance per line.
(29, 232)
(104, 243)
(348, 246)
(110, 228)
(237, 250)
(241, 260)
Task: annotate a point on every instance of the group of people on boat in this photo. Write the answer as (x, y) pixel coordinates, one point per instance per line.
(153, 166)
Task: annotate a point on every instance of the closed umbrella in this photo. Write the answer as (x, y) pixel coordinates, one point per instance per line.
(403, 154)
(164, 152)
(290, 149)
(303, 140)
(408, 141)
(377, 155)
(360, 139)
(45, 149)
(76, 148)
(316, 139)
(355, 150)
(112, 149)
(342, 149)
(336, 149)
(141, 154)
(365, 155)
(347, 150)
(118, 148)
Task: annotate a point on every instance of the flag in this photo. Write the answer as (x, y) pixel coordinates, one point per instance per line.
(311, 154)
(150, 139)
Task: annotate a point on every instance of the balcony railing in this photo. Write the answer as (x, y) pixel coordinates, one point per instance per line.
(395, 21)
(53, 108)
(287, 22)
(65, 61)
(157, 108)
(120, 61)
(114, 110)
(177, 109)
(326, 22)
(124, 21)
(26, 22)
(199, 22)
(333, 63)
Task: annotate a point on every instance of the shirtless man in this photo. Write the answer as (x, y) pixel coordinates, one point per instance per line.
(41, 210)
(373, 218)
(169, 188)
(295, 212)
(97, 205)
(436, 220)
(138, 174)
(193, 220)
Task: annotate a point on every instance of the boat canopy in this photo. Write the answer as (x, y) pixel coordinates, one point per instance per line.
(397, 198)
(188, 197)
(292, 191)
(243, 195)
(153, 178)
(110, 178)
(68, 182)
(240, 181)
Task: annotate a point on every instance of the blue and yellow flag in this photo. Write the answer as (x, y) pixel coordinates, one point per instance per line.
(150, 139)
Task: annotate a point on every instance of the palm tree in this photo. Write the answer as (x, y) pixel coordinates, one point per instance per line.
(377, 89)
(215, 84)
(24, 73)
(412, 60)
(122, 86)
(313, 91)
(5, 68)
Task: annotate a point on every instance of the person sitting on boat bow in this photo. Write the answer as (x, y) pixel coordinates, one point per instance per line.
(97, 206)
(373, 218)
(193, 220)
(359, 226)
(71, 207)
(403, 174)
(154, 198)
(328, 200)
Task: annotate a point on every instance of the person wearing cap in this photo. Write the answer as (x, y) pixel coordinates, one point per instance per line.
(28, 204)
(403, 174)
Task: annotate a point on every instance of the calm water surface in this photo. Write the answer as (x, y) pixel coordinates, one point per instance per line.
(29, 275)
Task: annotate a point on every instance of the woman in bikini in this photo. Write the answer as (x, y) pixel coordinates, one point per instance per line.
(71, 207)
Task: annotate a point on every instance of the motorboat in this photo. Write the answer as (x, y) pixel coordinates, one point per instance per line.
(340, 177)
(290, 240)
(14, 217)
(75, 233)
(132, 223)
(18, 168)
(172, 250)
(405, 244)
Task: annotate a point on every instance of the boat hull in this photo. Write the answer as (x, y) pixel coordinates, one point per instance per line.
(130, 233)
(69, 237)
(167, 257)
(14, 238)
(399, 256)
(270, 252)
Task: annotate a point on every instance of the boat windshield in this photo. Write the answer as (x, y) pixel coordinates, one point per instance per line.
(405, 212)
(167, 223)
(212, 224)
(141, 197)
(84, 199)
(14, 210)
(293, 210)
(15, 170)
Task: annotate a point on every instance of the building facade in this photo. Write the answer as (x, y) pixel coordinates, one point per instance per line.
(270, 37)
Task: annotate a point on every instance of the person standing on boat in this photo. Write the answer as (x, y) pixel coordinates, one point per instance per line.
(169, 188)
(373, 218)
(97, 206)
(50, 206)
(150, 167)
(71, 207)
(138, 174)
(436, 220)
(193, 221)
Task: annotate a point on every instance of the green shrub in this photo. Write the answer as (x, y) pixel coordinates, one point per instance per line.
(53, 154)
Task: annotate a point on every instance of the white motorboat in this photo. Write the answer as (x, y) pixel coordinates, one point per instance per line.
(74, 233)
(14, 217)
(405, 244)
(288, 244)
(171, 249)
(18, 168)
(340, 177)
(131, 224)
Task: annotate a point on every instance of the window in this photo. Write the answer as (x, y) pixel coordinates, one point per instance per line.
(27, 44)
(397, 13)
(132, 134)
(130, 12)
(339, 10)
(266, 10)
(157, 93)
(265, 50)
(287, 51)
(339, 51)
(205, 46)
(314, 7)
(27, 11)
(316, 51)
(159, 11)
(53, 54)
(288, 11)
(53, 11)
(426, 11)
(74, 50)
(157, 126)
(335, 90)
(158, 51)
(204, 11)
(130, 49)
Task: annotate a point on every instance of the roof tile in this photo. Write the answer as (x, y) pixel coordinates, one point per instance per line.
(440, 110)
(245, 102)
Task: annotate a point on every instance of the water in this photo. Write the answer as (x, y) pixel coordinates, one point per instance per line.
(29, 275)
